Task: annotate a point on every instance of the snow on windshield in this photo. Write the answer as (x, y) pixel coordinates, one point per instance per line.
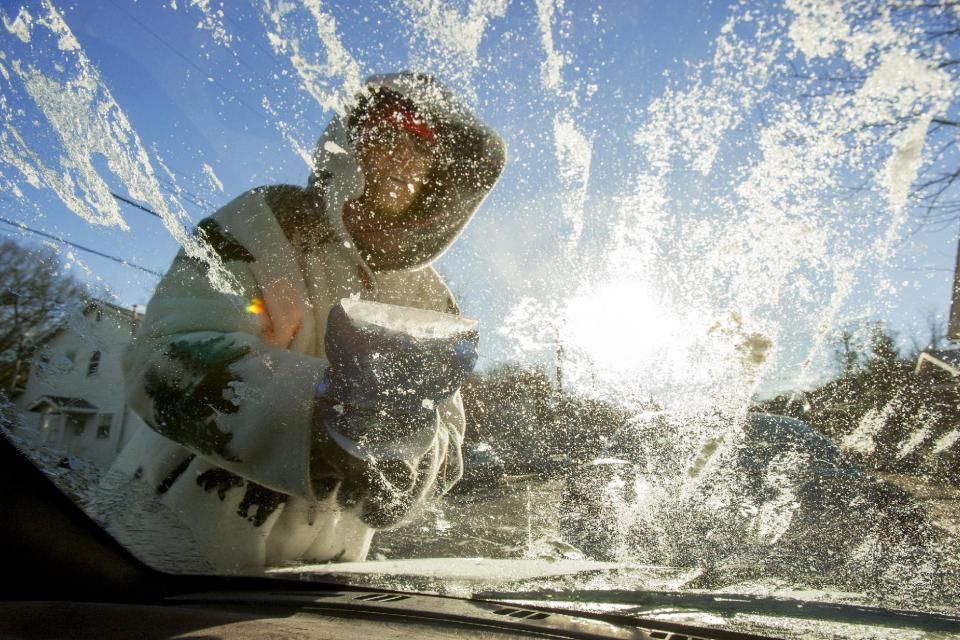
(713, 280)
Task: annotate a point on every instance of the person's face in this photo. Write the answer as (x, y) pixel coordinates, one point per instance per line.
(395, 165)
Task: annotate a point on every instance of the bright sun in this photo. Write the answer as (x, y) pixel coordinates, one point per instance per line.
(621, 325)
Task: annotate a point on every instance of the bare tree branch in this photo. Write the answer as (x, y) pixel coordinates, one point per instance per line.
(34, 299)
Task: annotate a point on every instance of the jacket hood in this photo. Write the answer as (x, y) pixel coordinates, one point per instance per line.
(471, 158)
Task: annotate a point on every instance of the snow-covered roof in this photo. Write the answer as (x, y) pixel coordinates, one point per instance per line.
(95, 304)
(946, 359)
(91, 306)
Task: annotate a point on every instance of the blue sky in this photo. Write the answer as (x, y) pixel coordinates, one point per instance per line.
(194, 100)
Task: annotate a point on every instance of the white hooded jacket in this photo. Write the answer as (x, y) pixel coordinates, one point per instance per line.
(227, 383)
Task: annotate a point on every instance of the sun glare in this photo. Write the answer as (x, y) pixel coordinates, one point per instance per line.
(620, 325)
(256, 306)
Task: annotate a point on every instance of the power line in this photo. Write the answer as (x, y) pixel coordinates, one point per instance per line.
(134, 204)
(146, 209)
(184, 175)
(258, 112)
(256, 42)
(23, 227)
(174, 189)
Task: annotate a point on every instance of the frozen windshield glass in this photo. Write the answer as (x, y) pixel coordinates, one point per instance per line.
(618, 286)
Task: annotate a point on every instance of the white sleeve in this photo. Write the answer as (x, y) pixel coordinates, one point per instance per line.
(199, 373)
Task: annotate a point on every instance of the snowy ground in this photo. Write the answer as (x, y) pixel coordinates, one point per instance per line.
(74, 476)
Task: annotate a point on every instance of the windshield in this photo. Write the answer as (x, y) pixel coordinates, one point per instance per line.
(626, 296)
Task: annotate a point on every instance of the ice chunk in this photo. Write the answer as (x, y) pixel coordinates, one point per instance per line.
(332, 147)
(214, 180)
(20, 26)
(946, 441)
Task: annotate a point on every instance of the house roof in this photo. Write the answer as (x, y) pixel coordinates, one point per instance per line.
(64, 404)
(92, 305)
(946, 359)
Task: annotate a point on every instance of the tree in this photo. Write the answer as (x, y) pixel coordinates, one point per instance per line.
(934, 193)
(508, 408)
(846, 352)
(933, 338)
(876, 378)
(34, 300)
(886, 370)
(930, 31)
(533, 426)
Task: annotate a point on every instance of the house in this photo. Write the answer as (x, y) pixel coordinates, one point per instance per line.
(73, 399)
(941, 364)
(944, 364)
(941, 368)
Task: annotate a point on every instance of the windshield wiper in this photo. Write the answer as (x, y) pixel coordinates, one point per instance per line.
(640, 602)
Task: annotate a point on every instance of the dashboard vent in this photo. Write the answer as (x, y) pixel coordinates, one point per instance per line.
(521, 614)
(382, 597)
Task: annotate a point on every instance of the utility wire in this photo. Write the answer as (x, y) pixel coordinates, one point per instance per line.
(172, 175)
(183, 175)
(256, 42)
(23, 227)
(258, 112)
(178, 191)
(151, 211)
(134, 204)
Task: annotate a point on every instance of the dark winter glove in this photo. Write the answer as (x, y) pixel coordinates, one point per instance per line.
(385, 491)
(390, 369)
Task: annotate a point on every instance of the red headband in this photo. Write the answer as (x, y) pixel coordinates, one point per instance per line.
(397, 116)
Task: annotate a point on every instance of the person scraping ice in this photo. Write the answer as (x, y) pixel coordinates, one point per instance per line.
(292, 421)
